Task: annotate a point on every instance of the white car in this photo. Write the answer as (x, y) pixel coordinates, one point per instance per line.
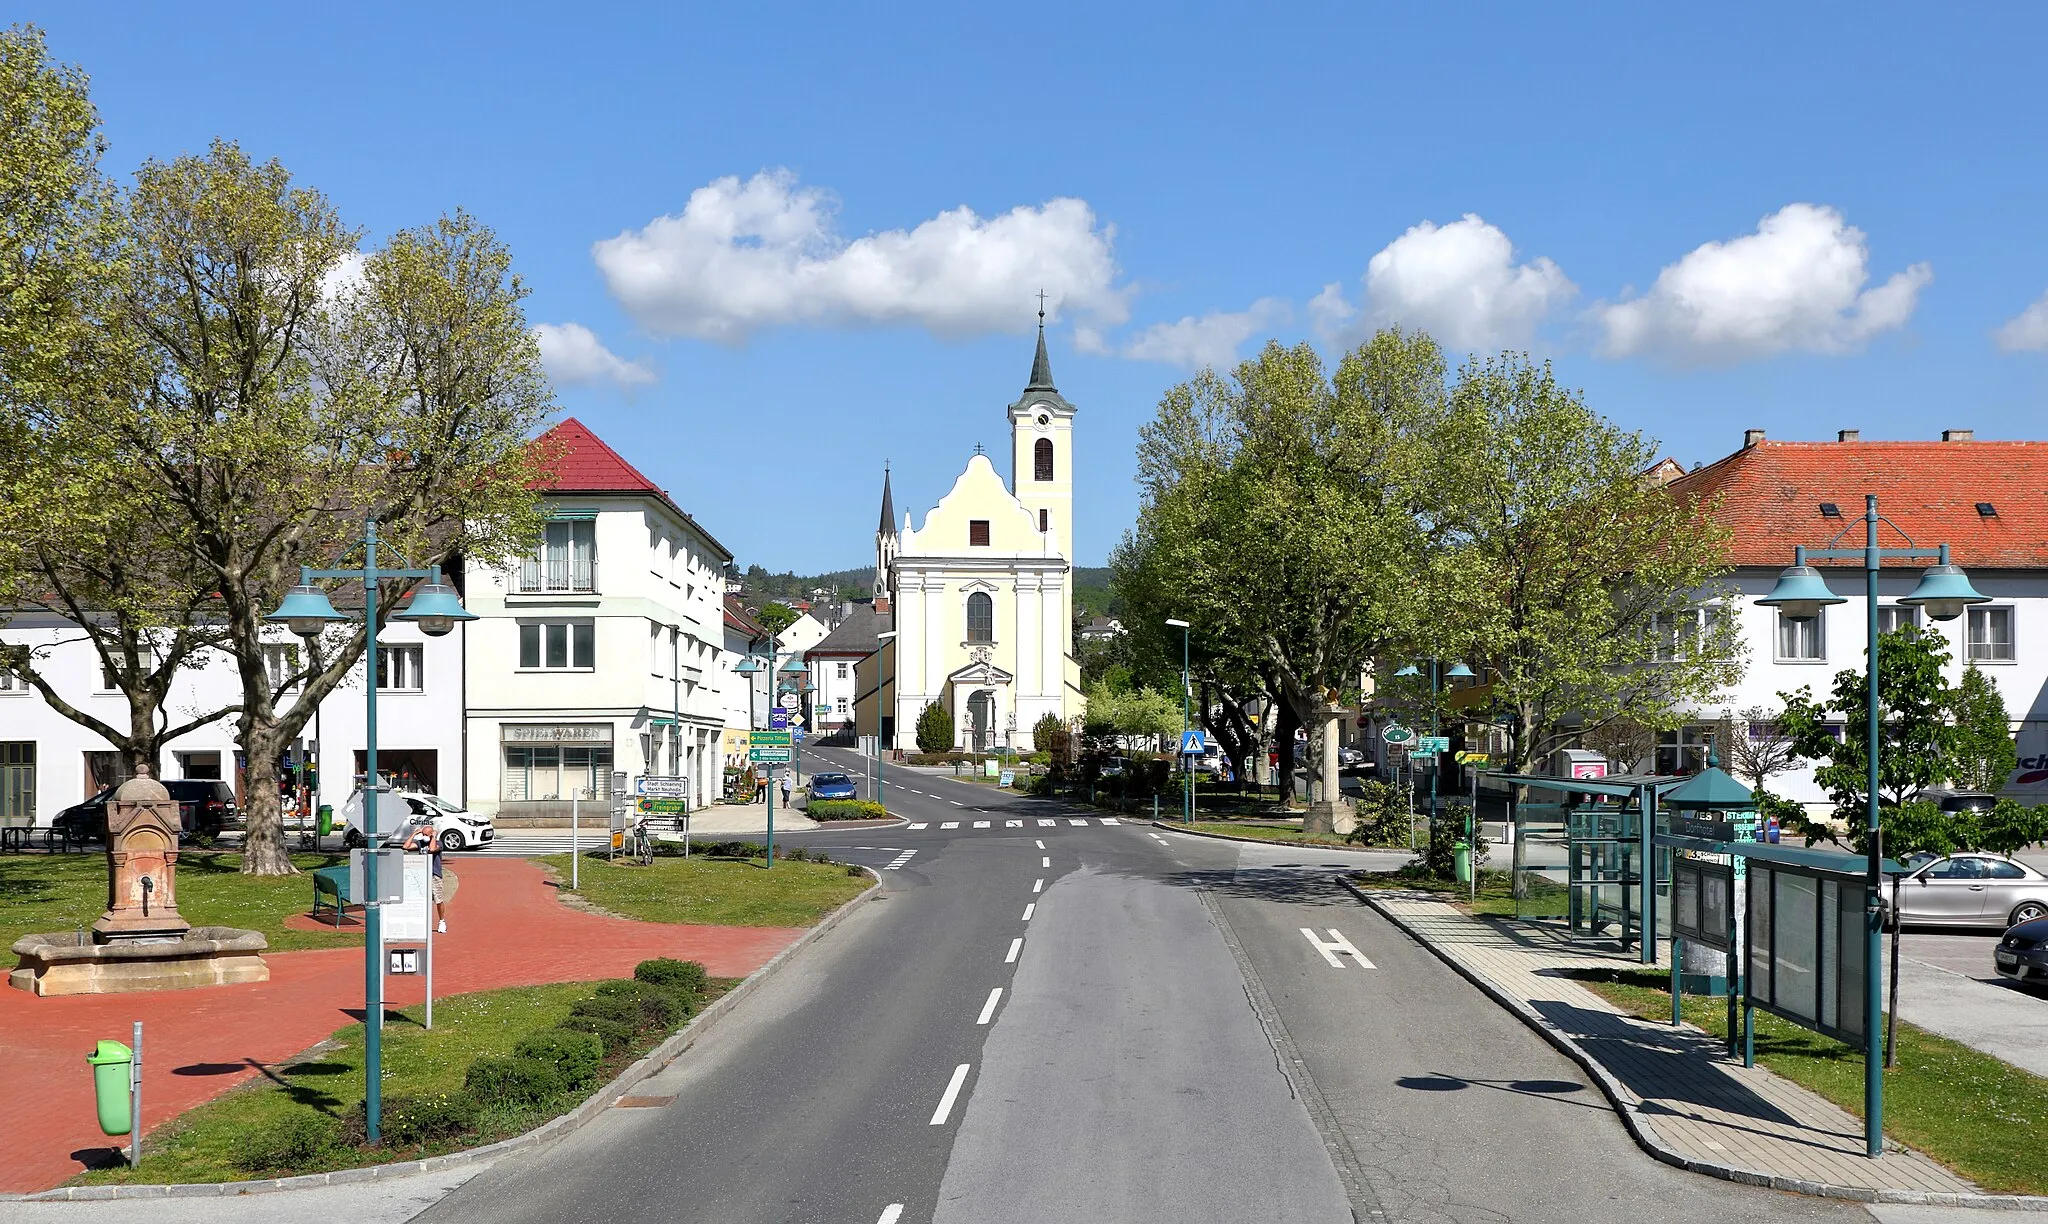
(399, 811)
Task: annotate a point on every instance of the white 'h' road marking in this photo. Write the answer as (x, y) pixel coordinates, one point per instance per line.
(1335, 944)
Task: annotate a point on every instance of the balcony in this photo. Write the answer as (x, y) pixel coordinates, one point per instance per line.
(555, 576)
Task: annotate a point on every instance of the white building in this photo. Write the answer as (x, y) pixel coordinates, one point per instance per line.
(601, 652)
(48, 762)
(742, 638)
(1983, 499)
(834, 661)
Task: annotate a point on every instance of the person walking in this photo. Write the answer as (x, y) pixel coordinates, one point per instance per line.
(424, 841)
(785, 790)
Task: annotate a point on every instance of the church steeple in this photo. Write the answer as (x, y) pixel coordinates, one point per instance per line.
(888, 525)
(885, 545)
(1041, 365)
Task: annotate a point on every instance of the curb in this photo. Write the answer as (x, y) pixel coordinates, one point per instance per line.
(1647, 1139)
(554, 1128)
(1171, 827)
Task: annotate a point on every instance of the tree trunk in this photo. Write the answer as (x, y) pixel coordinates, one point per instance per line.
(1287, 722)
(1321, 790)
(263, 847)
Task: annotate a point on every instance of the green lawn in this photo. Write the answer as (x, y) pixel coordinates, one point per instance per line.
(1496, 896)
(717, 891)
(1265, 830)
(1979, 1116)
(60, 892)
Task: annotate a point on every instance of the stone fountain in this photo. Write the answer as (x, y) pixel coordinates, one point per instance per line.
(142, 942)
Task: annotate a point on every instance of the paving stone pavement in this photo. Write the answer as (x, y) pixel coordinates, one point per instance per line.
(1679, 1082)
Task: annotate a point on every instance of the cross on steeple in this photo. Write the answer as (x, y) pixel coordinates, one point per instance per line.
(978, 449)
(1041, 308)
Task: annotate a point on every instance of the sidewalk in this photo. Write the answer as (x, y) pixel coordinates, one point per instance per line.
(1676, 1085)
(506, 928)
(725, 818)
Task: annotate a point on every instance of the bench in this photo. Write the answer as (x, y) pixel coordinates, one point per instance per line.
(331, 882)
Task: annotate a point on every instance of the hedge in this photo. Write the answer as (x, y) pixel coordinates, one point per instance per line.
(846, 809)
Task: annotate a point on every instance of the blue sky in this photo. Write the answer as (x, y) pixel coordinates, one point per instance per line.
(1796, 218)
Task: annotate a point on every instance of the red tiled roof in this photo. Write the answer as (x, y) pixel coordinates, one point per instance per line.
(584, 464)
(736, 618)
(1771, 494)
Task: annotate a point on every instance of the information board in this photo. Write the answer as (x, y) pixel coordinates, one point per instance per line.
(649, 806)
(664, 786)
(771, 754)
(405, 921)
(1806, 948)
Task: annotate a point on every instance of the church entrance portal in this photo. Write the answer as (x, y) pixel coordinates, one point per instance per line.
(981, 717)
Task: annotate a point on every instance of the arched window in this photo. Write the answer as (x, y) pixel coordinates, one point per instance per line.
(1041, 464)
(981, 617)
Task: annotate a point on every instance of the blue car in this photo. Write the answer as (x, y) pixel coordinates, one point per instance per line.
(832, 786)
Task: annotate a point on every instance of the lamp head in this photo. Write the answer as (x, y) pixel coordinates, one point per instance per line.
(1945, 591)
(435, 608)
(1800, 593)
(1459, 672)
(1178, 624)
(306, 611)
(1410, 670)
(748, 666)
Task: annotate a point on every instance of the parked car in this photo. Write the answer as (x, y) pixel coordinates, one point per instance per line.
(2023, 954)
(205, 808)
(1960, 800)
(833, 786)
(1975, 890)
(1350, 757)
(399, 811)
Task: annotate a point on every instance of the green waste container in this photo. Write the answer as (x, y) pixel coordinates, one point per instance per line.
(110, 1063)
(1461, 855)
(326, 824)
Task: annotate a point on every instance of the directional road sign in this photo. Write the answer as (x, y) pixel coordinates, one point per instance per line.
(1192, 743)
(769, 738)
(1430, 745)
(661, 786)
(662, 807)
(771, 755)
(778, 718)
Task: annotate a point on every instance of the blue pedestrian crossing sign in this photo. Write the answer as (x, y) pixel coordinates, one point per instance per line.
(1192, 743)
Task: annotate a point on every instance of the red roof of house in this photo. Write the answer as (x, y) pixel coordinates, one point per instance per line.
(582, 463)
(1771, 493)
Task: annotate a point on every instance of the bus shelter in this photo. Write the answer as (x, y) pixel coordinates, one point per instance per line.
(1584, 849)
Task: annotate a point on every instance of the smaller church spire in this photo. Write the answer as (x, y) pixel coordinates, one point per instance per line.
(888, 526)
(1041, 365)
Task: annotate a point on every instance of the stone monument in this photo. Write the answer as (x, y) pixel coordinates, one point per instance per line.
(1331, 810)
(142, 942)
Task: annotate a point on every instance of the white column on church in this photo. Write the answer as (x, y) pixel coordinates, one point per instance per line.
(1029, 665)
(1051, 640)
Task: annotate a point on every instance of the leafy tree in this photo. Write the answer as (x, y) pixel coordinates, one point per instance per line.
(287, 400)
(934, 728)
(2009, 827)
(1916, 738)
(1277, 514)
(1578, 585)
(775, 617)
(1050, 736)
(1984, 754)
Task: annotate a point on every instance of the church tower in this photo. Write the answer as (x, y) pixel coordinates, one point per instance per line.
(1042, 453)
(885, 545)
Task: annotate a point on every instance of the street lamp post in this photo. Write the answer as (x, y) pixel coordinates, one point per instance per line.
(1187, 806)
(435, 608)
(1799, 595)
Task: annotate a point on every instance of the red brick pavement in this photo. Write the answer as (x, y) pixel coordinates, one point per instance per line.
(506, 928)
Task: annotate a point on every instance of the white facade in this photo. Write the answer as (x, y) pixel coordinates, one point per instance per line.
(48, 762)
(577, 670)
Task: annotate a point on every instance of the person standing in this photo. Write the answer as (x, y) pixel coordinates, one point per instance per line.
(423, 840)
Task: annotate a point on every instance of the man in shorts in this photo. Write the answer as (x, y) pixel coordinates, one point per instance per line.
(423, 841)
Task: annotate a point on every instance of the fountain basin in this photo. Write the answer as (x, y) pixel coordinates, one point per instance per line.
(68, 963)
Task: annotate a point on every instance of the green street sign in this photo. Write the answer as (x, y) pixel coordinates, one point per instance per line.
(761, 738)
(771, 755)
(662, 807)
(1397, 734)
(1430, 745)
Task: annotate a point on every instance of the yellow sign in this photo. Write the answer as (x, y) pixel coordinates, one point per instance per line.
(618, 841)
(1475, 758)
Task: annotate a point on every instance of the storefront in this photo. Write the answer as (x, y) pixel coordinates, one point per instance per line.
(554, 762)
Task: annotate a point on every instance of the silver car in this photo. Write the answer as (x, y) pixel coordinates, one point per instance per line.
(1974, 890)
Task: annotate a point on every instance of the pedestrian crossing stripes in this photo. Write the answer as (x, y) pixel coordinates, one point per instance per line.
(990, 825)
(899, 860)
(545, 843)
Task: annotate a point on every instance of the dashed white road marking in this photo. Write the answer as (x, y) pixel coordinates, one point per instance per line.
(922, 824)
(988, 1009)
(1038, 886)
(952, 1094)
(1041, 845)
(1159, 839)
(1013, 824)
(1047, 824)
(1029, 910)
(1046, 861)
(951, 824)
(890, 1214)
(1335, 944)
(981, 824)
(1111, 821)
(1082, 823)
(956, 803)
(1016, 946)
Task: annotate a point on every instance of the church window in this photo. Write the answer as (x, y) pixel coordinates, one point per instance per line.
(1045, 520)
(981, 617)
(1042, 460)
(977, 533)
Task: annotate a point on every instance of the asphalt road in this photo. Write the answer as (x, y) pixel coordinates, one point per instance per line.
(1075, 1022)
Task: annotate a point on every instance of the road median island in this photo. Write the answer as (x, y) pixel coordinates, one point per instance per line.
(720, 884)
(61, 892)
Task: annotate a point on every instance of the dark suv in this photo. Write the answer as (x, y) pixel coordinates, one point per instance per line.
(204, 809)
(1951, 801)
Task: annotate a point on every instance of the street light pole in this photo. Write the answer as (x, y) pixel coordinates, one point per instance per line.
(1799, 594)
(1187, 808)
(307, 611)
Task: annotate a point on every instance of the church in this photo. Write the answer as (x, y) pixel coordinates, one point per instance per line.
(981, 596)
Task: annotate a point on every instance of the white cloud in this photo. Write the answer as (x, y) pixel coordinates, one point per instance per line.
(742, 256)
(345, 277)
(1796, 283)
(574, 355)
(2026, 330)
(1459, 282)
(1198, 340)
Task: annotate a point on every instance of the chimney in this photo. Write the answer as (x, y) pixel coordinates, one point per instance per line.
(1958, 435)
(1750, 437)
(1848, 435)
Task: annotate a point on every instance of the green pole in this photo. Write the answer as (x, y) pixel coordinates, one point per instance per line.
(1873, 937)
(1187, 814)
(373, 921)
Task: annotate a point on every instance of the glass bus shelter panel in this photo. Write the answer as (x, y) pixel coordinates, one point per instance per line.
(1542, 869)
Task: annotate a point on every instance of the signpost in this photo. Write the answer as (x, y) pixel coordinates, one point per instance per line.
(648, 806)
(1430, 745)
(778, 719)
(1397, 734)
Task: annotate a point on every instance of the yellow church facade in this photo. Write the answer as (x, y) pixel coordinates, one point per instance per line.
(980, 596)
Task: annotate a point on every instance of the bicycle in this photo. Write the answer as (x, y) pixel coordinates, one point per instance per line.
(640, 845)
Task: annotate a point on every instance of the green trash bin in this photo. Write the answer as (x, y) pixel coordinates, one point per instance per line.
(1461, 855)
(110, 1064)
(326, 824)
